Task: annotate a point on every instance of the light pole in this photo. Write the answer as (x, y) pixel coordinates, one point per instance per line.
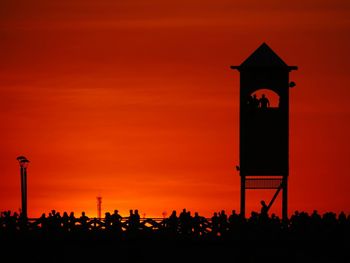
(99, 207)
(23, 163)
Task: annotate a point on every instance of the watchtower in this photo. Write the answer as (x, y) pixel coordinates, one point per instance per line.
(264, 124)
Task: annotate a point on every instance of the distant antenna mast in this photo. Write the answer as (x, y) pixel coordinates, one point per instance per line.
(99, 206)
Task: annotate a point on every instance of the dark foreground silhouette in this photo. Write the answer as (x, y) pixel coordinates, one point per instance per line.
(179, 238)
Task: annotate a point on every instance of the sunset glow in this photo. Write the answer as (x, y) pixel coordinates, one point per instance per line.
(135, 101)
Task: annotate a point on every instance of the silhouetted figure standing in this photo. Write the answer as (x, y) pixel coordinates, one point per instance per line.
(233, 218)
(253, 102)
(43, 222)
(197, 221)
(84, 221)
(131, 225)
(71, 221)
(116, 216)
(264, 102)
(236, 224)
(185, 222)
(116, 221)
(223, 222)
(134, 221)
(54, 221)
(215, 224)
(65, 222)
(137, 219)
(264, 210)
(173, 223)
(108, 221)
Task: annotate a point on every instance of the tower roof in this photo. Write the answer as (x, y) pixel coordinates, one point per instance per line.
(263, 57)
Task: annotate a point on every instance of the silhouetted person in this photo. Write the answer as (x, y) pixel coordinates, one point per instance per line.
(264, 210)
(137, 218)
(131, 220)
(236, 224)
(54, 221)
(65, 222)
(215, 224)
(233, 218)
(116, 216)
(115, 221)
(173, 223)
(42, 221)
(108, 220)
(223, 222)
(197, 221)
(342, 218)
(84, 221)
(185, 222)
(253, 102)
(134, 221)
(71, 221)
(264, 102)
(10, 222)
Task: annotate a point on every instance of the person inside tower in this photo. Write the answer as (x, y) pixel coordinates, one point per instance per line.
(264, 102)
(253, 102)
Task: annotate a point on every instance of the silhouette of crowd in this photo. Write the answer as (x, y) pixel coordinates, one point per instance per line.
(259, 226)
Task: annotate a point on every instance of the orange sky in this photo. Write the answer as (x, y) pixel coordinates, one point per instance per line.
(135, 100)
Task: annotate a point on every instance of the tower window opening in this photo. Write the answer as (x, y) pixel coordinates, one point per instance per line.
(264, 98)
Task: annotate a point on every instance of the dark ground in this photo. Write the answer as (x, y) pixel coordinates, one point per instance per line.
(174, 251)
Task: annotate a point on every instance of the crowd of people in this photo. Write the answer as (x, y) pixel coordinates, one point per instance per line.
(300, 226)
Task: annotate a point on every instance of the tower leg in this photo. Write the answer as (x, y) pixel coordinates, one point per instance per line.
(242, 210)
(24, 192)
(285, 199)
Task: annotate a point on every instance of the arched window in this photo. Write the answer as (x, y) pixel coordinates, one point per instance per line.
(267, 98)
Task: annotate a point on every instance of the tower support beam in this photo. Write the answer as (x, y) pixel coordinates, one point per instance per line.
(242, 209)
(285, 198)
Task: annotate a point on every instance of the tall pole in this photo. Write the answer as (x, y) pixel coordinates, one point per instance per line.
(23, 162)
(99, 207)
(24, 191)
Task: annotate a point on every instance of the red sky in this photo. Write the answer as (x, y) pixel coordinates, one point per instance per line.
(135, 101)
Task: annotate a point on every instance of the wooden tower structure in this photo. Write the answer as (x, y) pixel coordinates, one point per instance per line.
(264, 128)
